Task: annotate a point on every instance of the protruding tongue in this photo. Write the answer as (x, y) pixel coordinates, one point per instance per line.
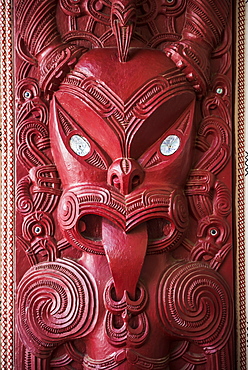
(125, 253)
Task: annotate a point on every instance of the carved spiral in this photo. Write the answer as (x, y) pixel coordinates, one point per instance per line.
(56, 302)
(70, 8)
(68, 210)
(222, 201)
(180, 211)
(216, 131)
(24, 201)
(175, 8)
(32, 140)
(126, 303)
(27, 88)
(36, 224)
(195, 303)
(120, 335)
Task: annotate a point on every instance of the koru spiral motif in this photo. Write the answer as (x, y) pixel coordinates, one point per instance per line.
(123, 146)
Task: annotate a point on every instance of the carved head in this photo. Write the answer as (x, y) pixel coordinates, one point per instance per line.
(121, 133)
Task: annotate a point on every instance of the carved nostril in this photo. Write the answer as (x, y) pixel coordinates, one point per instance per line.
(115, 181)
(136, 181)
(125, 175)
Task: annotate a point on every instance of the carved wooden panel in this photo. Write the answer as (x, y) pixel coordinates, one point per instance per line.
(124, 241)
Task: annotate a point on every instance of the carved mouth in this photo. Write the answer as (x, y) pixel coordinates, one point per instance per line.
(158, 229)
(90, 229)
(162, 212)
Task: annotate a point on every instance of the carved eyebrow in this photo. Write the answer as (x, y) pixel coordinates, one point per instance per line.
(102, 99)
(80, 115)
(77, 141)
(92, 91)
(146, 133)
(181, 130)
(144, 113)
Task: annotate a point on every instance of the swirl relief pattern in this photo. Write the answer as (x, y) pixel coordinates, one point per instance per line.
(124, 246)
(202, 311)
(57, 302)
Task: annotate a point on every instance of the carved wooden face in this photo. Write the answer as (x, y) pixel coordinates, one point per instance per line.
(119, 142)
(122, 276)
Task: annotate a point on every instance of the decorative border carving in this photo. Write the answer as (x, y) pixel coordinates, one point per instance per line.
(8, 196)
(240, 188)
(7, 242)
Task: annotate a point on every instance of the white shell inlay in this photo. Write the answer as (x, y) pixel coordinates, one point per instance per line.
(170, 145)
(80, 145)
(219, 90)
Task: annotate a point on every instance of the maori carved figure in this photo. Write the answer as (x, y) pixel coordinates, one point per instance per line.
(123, 133)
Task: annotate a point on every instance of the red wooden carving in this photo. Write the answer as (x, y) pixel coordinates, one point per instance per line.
(123, 132)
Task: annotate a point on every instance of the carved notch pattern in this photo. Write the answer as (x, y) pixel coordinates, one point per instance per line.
(99, 191)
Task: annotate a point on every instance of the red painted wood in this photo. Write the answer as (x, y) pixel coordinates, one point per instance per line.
(123, 140)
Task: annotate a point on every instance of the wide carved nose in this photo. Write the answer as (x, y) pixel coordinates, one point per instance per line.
(125, 174)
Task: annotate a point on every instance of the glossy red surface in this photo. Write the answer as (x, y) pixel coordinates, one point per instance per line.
(123, 231)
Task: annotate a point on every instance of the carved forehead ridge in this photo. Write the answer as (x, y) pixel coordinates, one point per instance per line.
(132, 89)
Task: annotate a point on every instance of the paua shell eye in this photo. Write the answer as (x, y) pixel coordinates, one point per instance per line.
(170, 145)
(80, 145)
